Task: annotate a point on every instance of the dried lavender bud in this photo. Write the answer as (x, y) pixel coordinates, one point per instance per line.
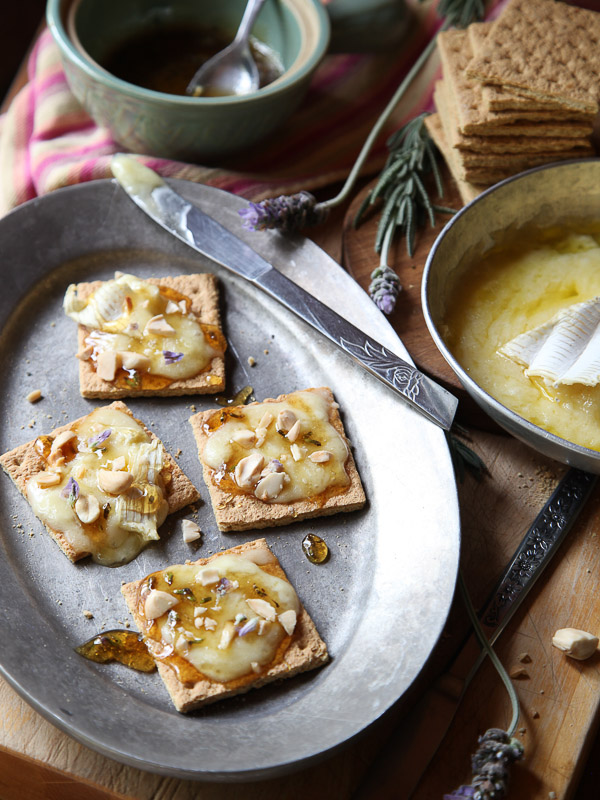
(71, 491)
(491, 767)
(285, 213)
(95, 441)
(171, 357)
(461, 792)
(384, 288)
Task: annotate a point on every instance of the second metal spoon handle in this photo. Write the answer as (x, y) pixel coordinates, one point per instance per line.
(248, 20)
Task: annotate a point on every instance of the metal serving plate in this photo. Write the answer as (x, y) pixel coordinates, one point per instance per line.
(381, 600)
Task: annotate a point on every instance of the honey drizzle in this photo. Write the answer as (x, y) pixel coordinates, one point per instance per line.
(223, 477)
(126, 647)
(165, 653)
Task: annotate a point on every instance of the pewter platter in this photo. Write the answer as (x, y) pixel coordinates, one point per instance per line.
(380, 601)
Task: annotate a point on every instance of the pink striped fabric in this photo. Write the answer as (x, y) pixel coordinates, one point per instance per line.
(47, 140)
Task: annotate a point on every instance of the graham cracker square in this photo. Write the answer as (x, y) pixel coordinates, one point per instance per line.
(25, 462)
(466, 95)
(238, 509)
(496, 98)
(202, 290)
(305, 649)
(545, 49)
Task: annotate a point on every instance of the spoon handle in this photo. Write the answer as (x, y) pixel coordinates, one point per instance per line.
(247, 23)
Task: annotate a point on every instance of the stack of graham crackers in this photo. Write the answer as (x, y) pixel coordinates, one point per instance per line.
(517, 92)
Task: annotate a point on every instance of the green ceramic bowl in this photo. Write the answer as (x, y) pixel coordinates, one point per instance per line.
(206, 129)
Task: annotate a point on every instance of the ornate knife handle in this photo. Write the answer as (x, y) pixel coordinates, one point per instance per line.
(544, 537)
(421, 392)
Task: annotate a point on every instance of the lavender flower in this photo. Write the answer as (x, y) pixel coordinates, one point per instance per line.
(224, 586)
(95, 441)
(71, 491)
(458, 794)
(286, 213)
(490, 765)
(171, 357)
(384, 288)
(250, 626)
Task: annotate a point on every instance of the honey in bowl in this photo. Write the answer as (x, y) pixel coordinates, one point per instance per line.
(165, 59)
(516, 287)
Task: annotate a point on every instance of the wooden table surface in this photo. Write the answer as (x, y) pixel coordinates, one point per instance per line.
(559, 697)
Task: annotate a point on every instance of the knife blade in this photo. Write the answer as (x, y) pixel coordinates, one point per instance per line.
(207, 236)
(398, 768)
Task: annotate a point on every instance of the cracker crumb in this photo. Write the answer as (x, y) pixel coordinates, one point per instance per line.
(127, 623)
(87, 614)
(266, 352)
(178, 452)
(193, 408)
(251, 361)
(535, 714)
(34, 396)
(53, 324)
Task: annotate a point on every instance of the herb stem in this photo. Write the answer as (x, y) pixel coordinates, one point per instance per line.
(488, 650)
(377, 128)
(385, 245)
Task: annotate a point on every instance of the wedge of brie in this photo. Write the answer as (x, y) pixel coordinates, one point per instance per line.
(565, 350)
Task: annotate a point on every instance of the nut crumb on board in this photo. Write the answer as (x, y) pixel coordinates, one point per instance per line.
(519, 672)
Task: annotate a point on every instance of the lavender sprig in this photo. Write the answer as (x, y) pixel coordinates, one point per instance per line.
(384, 288)
(497, 749)
(286, 213)
(491, 767)
(293, 212)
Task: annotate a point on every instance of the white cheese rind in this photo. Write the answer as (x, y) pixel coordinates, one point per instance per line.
(134, 516)
(565, 349)
(121, 315)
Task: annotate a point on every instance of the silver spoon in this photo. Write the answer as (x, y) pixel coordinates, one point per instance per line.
(233, 70)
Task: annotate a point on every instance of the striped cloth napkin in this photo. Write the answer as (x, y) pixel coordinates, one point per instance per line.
(47, 140)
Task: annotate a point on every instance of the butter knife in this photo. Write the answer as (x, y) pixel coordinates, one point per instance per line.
(207, 236)
(398, 768)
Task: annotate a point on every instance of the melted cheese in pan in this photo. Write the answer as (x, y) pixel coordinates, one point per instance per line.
(511, 292)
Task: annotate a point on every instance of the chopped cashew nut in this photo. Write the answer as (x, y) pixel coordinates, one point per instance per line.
(114, 482)
(190, 531)
(575, 643)
(106, 365)
(262, 608)
(87, 508)
(158, 603)
(158, 325)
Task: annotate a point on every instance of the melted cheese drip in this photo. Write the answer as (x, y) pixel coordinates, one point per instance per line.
(175, 634)
(118, 312)
(516, 290)
(307, 479)
(127, 521)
